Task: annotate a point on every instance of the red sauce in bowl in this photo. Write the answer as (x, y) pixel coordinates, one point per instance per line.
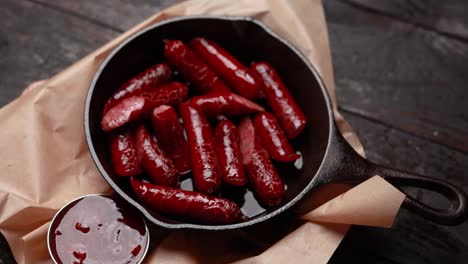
(97, 229)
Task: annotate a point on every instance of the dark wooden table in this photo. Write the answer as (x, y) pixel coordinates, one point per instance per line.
(401, 69)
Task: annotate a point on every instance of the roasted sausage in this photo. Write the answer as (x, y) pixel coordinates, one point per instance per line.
(266, 182)
(124, 155)
(228, 67)
(143, 82)
(153, 159)
(189, 204)
(273, 138)
(202, 150)
(170, 94)
(192, 67)
(229, 155)
(224, 103)
(280, 100)
(137, 107)
(170, 135)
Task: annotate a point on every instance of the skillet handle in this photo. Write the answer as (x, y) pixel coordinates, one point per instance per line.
(455, 214)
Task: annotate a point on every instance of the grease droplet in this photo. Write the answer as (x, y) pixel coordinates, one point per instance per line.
(80, 256)
(82, 228)
(136, 250)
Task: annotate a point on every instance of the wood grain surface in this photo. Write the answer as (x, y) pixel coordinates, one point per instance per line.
(401, 69)
(445, 17)
(400, 74)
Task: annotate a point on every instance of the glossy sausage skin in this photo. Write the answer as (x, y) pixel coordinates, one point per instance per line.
(202, 150)
(153, 159)
(189, 204)
(280, 100)
(229, 155)
(228, 67)
(170, 135)
(273, 138)
(192, 67)
(125, 160)
(143, 82)
(129, 110)
(224, 103)
(266, 182)
(137, 107)
(170, 94)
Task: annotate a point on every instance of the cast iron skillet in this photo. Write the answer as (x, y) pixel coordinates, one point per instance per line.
(327, 158)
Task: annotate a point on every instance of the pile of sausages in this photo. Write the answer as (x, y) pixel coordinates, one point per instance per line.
(225, 136)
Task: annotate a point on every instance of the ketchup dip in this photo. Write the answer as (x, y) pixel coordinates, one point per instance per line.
(97, 229)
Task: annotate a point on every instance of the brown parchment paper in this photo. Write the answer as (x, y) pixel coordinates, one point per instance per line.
(45, 161)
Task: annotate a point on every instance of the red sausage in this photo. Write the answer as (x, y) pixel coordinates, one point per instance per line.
(273, 138)
(170, 94)
(170, 135)
(224, 103)
(154, 161)
(202, 150)
(183, 203)
(283, 105)
(137, 107)
(229, 155)
(192, 67)
(129, 110)
(266, 182)
(143, 82)
(228, 67)
(124, 155)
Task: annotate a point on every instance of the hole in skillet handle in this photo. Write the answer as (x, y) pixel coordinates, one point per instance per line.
(347, 166)
(455, 214)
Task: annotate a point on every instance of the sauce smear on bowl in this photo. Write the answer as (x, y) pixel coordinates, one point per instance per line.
(98, 229)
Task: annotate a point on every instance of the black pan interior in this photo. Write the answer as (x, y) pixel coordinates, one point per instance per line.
(247, 40)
